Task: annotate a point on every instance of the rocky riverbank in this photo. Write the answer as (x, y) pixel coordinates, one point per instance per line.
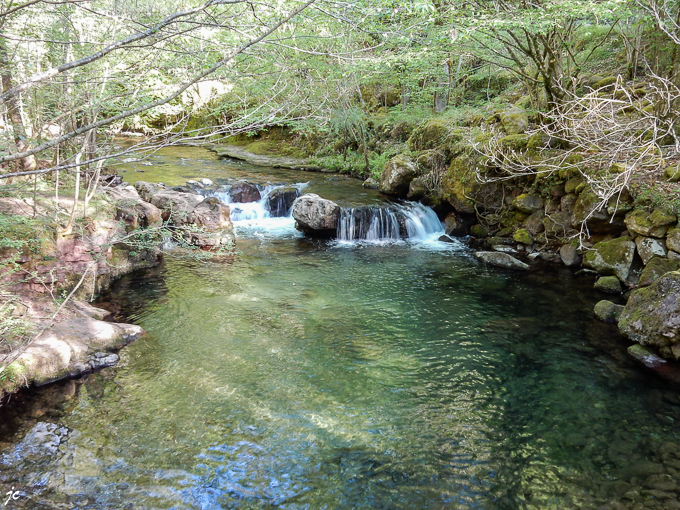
(54, 339)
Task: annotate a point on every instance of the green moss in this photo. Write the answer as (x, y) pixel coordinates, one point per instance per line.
(523, 236)
(514, 142)
(13, 377)
(604, 82)
(672, 173)
(428, 135)
(459, 184)
(479, 231)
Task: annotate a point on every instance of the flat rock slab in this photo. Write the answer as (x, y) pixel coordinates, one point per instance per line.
(500, 259)
(232, 151)
(68, 349)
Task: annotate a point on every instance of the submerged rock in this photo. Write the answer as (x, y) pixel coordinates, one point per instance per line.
(371, 183)
(500, 259)
(652, 314)
(315, 215)
(613, 257)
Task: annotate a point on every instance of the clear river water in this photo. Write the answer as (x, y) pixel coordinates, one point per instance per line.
(309, 374)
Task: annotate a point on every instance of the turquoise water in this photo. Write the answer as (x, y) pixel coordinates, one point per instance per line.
(309, 375)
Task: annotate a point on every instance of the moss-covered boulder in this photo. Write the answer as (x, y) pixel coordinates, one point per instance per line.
(642, 223)
(655, 269)
(588, 209)
(428, 135)
(649, 247)
(608, 284)
(515, 143)
(571, 184)
(613, 257)
(397, 175)
(673, 239)
(514, 121)
(459, 184)
(652, 314)
(605, 83)
(527, 203)
(608, 312)
(479, 231)
(672, 173)
(523, 236)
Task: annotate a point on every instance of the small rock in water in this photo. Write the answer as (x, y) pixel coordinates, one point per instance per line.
(371, 183)
(500, 260)
(608, 284)
(607, 311)
(445, 239)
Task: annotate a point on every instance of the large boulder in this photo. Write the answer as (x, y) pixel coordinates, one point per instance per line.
(243, 192)
(176, 207)
(652, 314)
(315, 215)
(613, 257)
(133, 211)
(460, 185)
(514, 121)
(655, 224)
(280, 201)
(397, 175)
(655, 269)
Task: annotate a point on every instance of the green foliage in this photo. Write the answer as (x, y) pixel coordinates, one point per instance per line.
(651, 195)
(21, 232)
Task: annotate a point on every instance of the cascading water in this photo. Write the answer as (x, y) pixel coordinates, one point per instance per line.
(270, 215)
(410, 220)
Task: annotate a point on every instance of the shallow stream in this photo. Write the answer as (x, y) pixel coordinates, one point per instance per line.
(320, 374)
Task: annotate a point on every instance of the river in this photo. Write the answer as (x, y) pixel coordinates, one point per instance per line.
(311, 374)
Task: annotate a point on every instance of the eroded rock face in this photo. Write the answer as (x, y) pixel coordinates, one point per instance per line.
(315, 215)
(243, 191)
(652, 314)
(397, 176)
(613, 257)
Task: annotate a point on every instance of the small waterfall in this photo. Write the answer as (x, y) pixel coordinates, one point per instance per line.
(409, 220)
(268, 216)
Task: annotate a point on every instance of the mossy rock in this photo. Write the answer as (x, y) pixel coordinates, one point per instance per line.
(613, 257)
(608, 312)
(523, 236)
(479, 231)
(571, 184)
(672, 173)
(515, 143)
(428, 135)
(527, 203)
(652, 314)
(523, 102)
(459, 184)
(605, 83)
(537, 141)
(608, 284)
(655, 269)
(514, 121)
(639, 222)
(587, 208)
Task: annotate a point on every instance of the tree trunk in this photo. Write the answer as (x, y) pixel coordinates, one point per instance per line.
(14, 109)
(441, 95)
